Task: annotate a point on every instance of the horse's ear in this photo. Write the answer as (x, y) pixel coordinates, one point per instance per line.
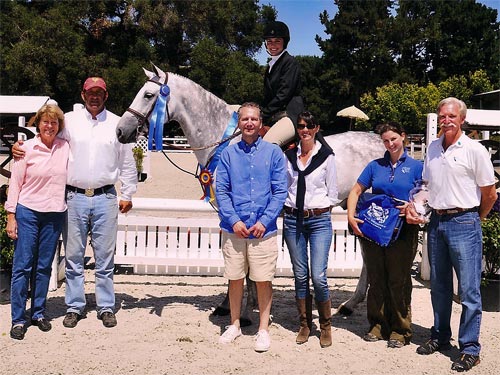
(160, 73)
(149, 74)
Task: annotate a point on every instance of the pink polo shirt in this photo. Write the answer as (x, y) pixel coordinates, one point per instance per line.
(38, 180)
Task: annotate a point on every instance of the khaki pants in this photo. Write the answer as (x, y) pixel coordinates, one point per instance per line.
(281, 133)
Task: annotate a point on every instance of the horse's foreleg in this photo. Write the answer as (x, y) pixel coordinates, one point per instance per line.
(223, 308)
(251, 303)
(348, 306)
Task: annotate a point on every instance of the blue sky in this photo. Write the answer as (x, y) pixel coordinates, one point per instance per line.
(302, 18)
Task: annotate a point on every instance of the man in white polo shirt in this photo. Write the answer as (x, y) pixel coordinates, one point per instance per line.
(461, 192)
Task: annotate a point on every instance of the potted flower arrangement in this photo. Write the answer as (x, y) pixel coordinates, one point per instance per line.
(139, 158)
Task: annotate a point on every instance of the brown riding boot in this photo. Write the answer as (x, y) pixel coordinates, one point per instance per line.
(304, 305)
(325, 322)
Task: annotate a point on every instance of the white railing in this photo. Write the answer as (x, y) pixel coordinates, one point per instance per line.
(416, 149)
(181, 144)
(167, 245)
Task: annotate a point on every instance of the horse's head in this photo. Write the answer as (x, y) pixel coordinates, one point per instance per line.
(135, 120)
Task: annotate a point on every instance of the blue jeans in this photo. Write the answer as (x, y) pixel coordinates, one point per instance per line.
(38, 233)
(455, 242)
(97, 215)
(317, 232)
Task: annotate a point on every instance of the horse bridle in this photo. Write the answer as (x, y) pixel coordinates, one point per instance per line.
(142, 119)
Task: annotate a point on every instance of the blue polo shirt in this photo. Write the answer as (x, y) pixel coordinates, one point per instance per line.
(251, 185)
(397, 181)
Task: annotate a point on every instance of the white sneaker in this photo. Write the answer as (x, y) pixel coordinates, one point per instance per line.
(232, 333)
(262, 341)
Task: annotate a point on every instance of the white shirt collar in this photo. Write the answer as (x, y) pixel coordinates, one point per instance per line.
(274, 59)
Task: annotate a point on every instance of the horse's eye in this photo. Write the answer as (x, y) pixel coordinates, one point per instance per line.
(149, 95)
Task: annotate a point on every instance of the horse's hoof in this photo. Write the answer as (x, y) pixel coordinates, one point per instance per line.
(245, 322)
(221, 311)
(344, 311)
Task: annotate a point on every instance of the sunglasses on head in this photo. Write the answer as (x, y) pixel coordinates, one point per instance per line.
(308, 126)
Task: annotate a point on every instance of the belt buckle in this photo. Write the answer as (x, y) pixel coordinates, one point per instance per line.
(89, 192)
(306, 214)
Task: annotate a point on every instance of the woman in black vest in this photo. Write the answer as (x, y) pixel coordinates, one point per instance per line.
(282, 85)
(312, 191)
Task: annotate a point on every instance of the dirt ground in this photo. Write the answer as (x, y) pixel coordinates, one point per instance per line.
(165, 326)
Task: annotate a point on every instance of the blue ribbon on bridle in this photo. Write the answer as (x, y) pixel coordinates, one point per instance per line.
(155, 141)
(206, 174)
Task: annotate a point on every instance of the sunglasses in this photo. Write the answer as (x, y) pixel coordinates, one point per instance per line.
(308, 126)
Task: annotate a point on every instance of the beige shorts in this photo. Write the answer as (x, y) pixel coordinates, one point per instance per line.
(243, 254)
(281, 132)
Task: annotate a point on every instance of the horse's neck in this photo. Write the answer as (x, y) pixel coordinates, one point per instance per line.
(202, 116)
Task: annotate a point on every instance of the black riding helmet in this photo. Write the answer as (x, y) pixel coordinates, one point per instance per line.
(277, 29)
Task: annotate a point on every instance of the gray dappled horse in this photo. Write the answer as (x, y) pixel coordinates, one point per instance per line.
(204, 117)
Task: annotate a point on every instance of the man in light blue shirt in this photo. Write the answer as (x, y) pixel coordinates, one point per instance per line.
(251, 189)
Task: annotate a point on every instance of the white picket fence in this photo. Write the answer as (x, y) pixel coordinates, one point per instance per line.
(192, 246)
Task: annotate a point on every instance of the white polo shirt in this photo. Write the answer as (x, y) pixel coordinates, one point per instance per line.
(455, 175)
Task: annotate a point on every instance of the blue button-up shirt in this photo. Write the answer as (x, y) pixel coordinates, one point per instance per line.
(251, 185)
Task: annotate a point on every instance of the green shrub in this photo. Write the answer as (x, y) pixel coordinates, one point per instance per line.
(491, 244)
(6, 244)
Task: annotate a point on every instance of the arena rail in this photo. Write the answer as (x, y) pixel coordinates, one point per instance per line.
(192, 246)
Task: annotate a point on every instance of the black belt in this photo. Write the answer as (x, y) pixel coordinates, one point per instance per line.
(90, 192)
(307, 213)
(456, 210)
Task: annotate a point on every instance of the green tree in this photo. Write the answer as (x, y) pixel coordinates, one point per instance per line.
(313, 90)
(233, 75)
(409, 104)
(358, 52)
(437, 39)
(49, 48)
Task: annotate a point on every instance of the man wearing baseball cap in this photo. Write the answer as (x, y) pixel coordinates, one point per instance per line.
(96, 162)
(92, 82)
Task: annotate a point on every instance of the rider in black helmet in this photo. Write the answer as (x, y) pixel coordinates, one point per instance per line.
(282, 85)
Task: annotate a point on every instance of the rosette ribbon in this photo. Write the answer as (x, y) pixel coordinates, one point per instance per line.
(207, 173)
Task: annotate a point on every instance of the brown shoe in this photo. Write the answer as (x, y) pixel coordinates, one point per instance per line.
(17, 331)
(71, 319)
(108, 319)
(42, 324)
(370, 337)
(465, 362)
(325, 323)
(432, 346)
(395, 344)
(304, 305)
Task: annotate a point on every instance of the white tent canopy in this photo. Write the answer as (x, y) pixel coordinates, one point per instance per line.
(483, 117)
(10, 104)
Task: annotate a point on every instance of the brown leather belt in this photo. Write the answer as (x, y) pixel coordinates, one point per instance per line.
(456, 210)
(307, 213)
(90, 192)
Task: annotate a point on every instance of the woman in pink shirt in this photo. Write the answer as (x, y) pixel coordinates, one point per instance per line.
(35, 214)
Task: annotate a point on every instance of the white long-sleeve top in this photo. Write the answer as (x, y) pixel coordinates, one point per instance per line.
(321, 184)
(96, 156)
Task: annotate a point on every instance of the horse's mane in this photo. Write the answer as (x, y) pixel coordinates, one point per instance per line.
(210, 96)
